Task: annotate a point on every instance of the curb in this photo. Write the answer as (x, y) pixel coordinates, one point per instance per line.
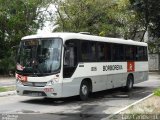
(129, 106)
(2, 94)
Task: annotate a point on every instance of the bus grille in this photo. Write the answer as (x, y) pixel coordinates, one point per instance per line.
(35, 84)
(34, 93)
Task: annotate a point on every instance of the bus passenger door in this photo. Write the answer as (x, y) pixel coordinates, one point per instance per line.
(69, 66)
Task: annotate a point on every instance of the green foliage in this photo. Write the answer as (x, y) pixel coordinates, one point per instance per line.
(76, 15)
(149, 14)
(157, 92)
(6, 64)
(126, 22)
(153, 46)
(100, 17)
(17, 19)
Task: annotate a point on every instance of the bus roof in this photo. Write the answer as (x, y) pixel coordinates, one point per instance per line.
(67, 36)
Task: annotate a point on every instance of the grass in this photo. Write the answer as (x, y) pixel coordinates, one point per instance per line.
(157, 92)
(5, 89)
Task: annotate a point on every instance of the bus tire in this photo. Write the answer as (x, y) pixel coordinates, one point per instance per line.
(84, 90)
(129, 84)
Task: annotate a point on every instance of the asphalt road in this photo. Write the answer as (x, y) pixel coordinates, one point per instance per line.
(99, 106)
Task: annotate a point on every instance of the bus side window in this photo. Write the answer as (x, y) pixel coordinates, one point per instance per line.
(129, 51)
(104, 52)
(88, 51)
(117, 52)
(140, 53)
(145, 54)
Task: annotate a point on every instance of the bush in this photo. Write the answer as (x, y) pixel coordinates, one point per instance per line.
(7, 65)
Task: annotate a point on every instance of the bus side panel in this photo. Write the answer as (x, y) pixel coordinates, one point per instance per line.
(100, 82)
(104, 75)
(71, 86)
(101, 78)
(118, 80)
(141, 71)
(140, 76)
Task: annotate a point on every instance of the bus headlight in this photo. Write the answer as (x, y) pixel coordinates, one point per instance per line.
(56, 78)
(50, 83)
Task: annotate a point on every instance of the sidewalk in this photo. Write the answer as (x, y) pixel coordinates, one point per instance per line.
(7, 81)
(6, 78)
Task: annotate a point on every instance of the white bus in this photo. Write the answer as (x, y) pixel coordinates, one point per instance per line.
(59, 65)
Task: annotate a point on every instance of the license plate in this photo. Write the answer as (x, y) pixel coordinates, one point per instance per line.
(48, 90)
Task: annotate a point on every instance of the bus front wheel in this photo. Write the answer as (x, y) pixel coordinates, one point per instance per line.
(84, 90)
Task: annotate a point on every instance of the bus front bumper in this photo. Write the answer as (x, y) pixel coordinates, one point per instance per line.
(53, 91)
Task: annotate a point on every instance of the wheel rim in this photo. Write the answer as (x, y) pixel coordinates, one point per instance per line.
(84, 90)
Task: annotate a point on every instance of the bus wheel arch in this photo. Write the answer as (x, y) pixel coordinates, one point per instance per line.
(85, 89)
(130, 82)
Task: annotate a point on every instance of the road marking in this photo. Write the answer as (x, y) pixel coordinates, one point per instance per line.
(128, 107)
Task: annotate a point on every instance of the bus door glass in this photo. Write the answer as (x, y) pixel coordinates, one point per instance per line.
(70, 58)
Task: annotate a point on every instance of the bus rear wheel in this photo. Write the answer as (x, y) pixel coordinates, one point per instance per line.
(129, 84)
(84, 90)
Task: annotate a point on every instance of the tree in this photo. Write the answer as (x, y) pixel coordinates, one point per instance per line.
(17, 19)
(80, 15)
(100, 17)
(126, 21)
(149, 14)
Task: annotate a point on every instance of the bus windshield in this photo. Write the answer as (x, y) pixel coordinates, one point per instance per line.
(39, 56)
